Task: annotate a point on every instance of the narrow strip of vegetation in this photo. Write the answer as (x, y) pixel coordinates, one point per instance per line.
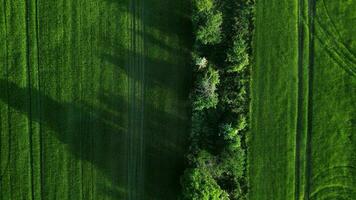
(220, 100)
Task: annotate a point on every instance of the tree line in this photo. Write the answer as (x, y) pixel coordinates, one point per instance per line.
(217, 167)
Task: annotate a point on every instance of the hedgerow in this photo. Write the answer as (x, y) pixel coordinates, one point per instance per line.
(220, 100)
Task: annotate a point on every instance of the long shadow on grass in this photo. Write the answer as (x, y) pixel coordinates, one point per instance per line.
(158, 72)
(164, 134)
(92, 134)
(99, 135)
(167, 17)
(165, 57)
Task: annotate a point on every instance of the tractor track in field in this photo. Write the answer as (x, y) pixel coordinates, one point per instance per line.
(300, 100)
(135, 133)
(308, 164)
(304, 99)
(336, 49)
(39, 103)
(300, 97)
(30, 100)
(330, 37)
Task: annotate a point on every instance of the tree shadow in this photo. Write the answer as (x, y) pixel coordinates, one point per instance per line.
(164, 136)
(90, 133)
(167, 68)
(98, 133)
(158, 72)
(100, 136)
(163, 16)
(165, 133)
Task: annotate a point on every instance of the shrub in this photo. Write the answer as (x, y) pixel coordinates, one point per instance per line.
(233, 162)
(228, 132)
(210, 30)
(207, 21)
(200, 185)
(205, 94)
(201, 6)
(201, 62)
(205, 160)
(241, 123)
(233, 95)
(238, 56)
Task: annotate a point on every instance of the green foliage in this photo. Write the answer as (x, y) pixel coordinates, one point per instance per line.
(233, 161)
(229, 132)
(201, 62)
(205, 94)
(200, 185)
(241, 123)
(220, 100)
(207, 21)
(238, 56)
(210, 31)
(203, 5)
(234, 95)
(204, 160)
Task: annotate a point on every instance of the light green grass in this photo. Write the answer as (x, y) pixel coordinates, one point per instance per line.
(274, 101)
(333, 174)
(303, 102)
(93, 98)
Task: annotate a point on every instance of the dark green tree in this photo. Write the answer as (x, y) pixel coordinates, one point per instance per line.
(205, 94)
(200, 185)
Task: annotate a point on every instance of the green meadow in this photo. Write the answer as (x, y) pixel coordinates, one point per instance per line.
(302, 143)
(93, 98)
(177, 99)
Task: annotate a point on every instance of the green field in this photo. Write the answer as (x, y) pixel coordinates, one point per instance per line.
(93, 98)
(117, 99)
(303, 111)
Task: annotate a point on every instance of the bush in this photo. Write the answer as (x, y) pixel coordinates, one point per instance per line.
(228, 132)
(200, 185)
(241, 123)
(205, 160)
(233, 162)
(233, 95)
(238, 56)
(200, 62)
(205, 94)
(207, 21)
(202, 6)
(210, 31)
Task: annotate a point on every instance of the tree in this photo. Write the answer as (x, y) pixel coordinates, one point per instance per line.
(203, 5)
(200, 185)
(233, 162)
(210, 30)
(205, 91)
(238, 56)
(220, 100)
(200, 62)
(233, 93)
(228, 132)
(207, 20)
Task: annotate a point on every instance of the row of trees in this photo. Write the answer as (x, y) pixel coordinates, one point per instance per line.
(220, 100)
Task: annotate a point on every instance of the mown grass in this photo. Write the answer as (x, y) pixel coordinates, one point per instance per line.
(274, 89)
(81, 84)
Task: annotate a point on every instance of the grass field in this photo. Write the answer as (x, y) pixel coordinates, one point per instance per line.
(333, 141)
(93, 98)
(274, 101)
(302, 143)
